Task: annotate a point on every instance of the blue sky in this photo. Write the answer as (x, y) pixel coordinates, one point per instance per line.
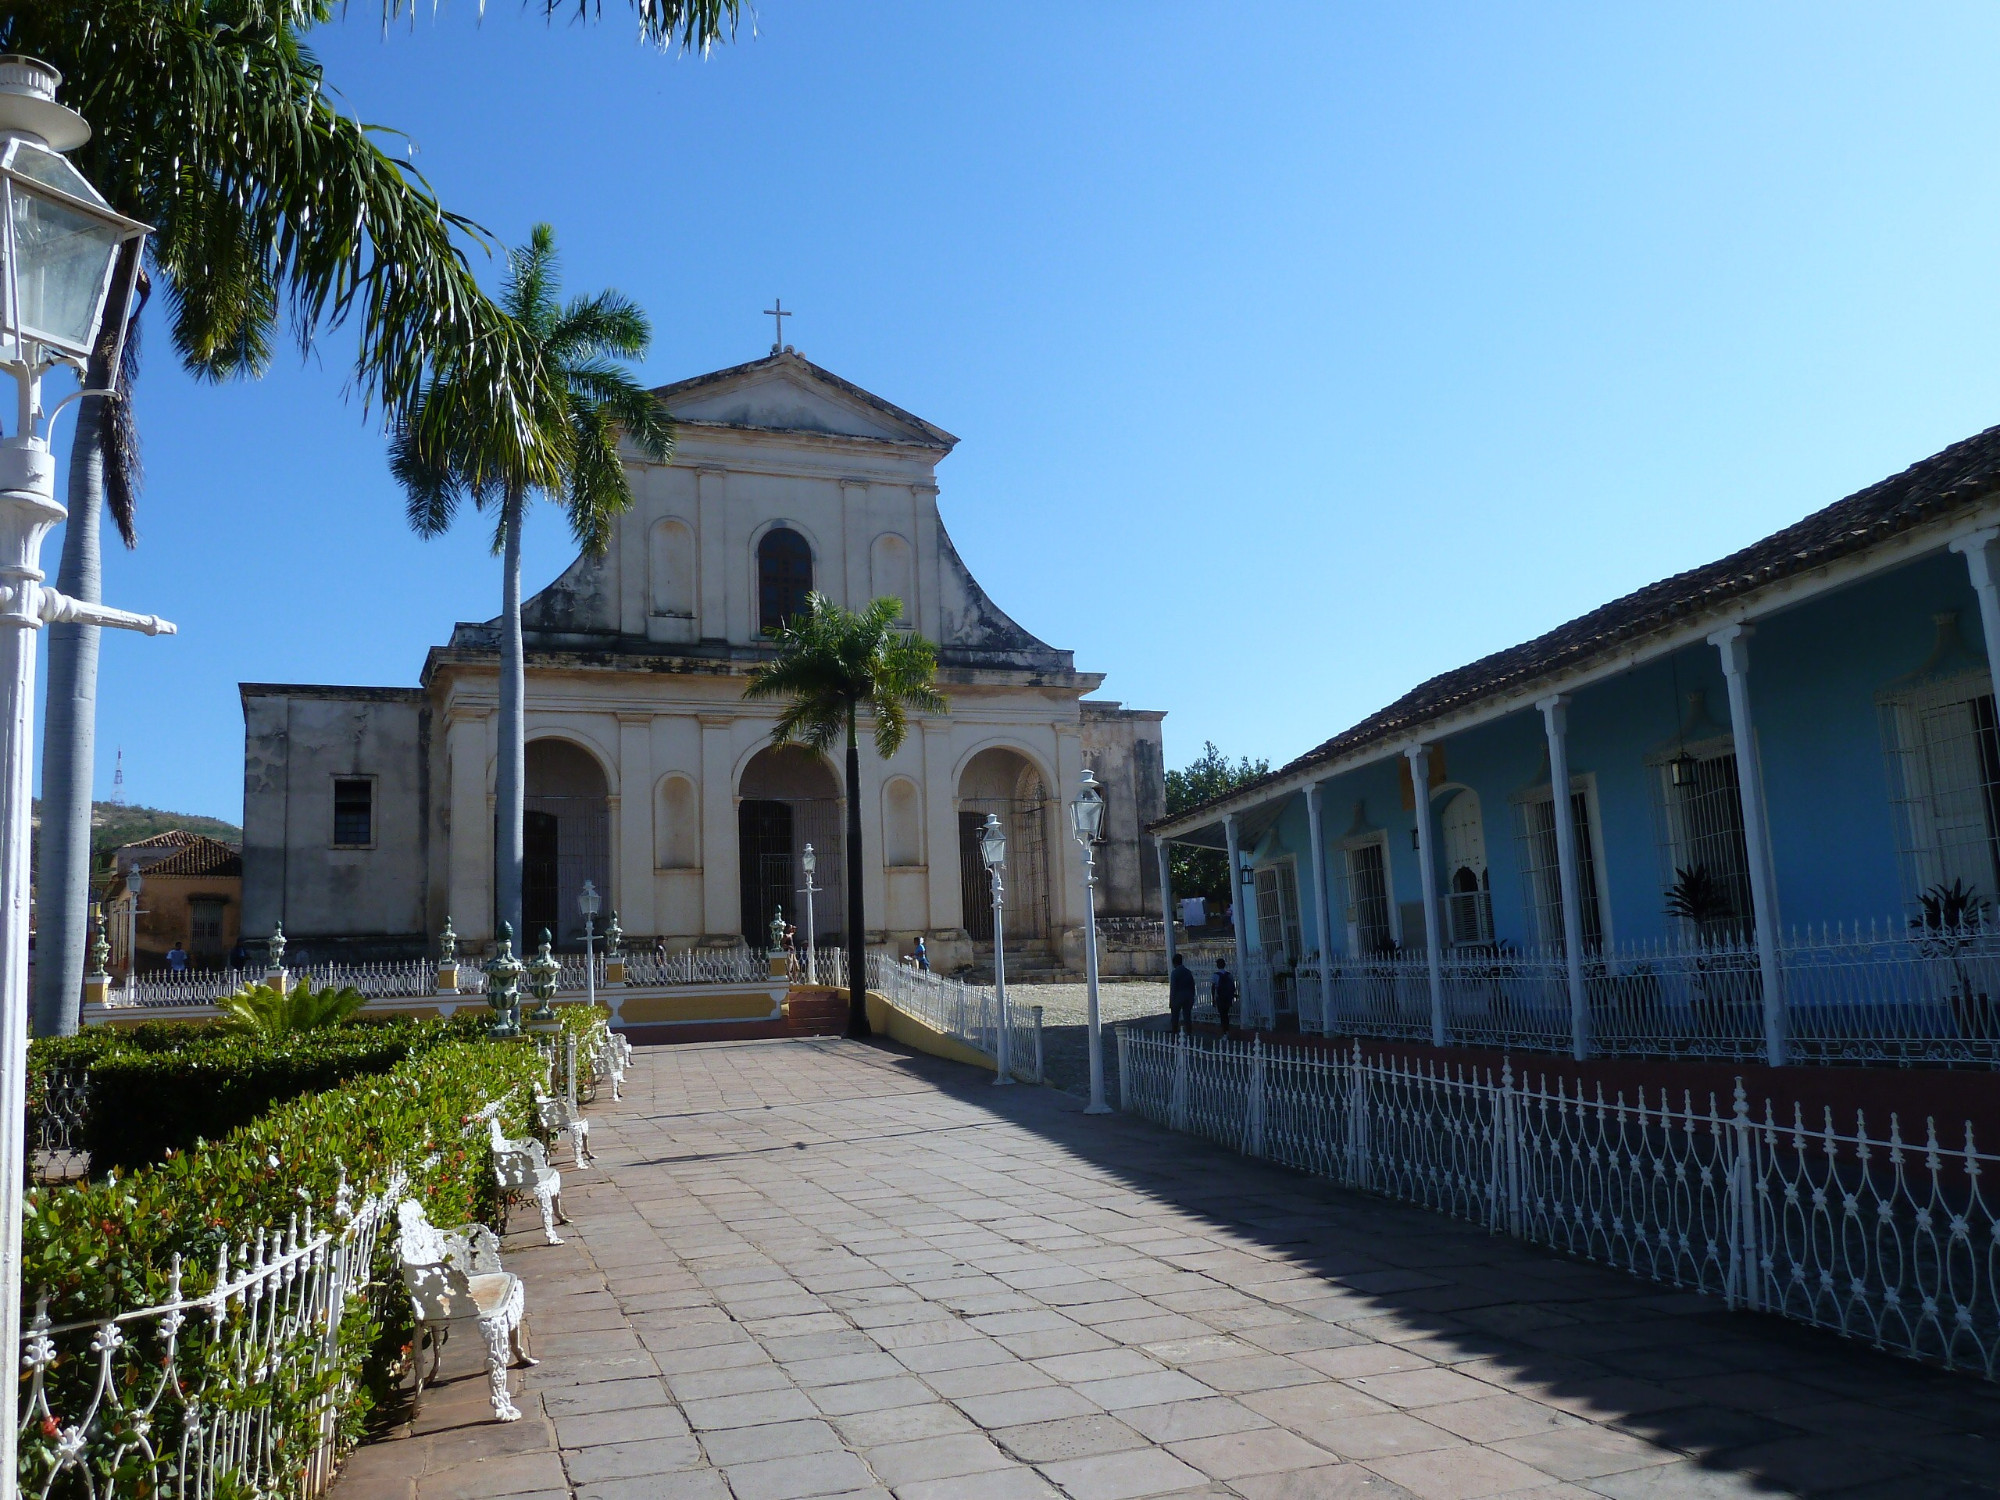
(1297, 351)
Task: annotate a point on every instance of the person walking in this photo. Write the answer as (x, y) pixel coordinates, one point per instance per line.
(1180, 998)
(177, 959)
(921, 956)
(1222, 990)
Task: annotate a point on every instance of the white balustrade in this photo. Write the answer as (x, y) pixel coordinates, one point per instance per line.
(969, 1013)
(164, 1399)
(1891, 1238)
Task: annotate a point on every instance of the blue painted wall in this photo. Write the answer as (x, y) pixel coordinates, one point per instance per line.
(1815, 675)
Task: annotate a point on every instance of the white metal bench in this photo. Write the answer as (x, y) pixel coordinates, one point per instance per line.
(560, 1117)
(522, 1170)
(454, 1276)
(613, 1057)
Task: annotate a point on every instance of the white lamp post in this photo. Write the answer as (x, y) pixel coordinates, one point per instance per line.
(59, 245)
(809, 862)
(1086, 821)
(134, 883)
(993, 850)
(589, 904)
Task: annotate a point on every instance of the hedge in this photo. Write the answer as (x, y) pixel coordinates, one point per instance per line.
(161, 1087)
(98, 1248)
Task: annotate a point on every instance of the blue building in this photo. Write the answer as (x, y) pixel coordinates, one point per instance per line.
(1780, 829)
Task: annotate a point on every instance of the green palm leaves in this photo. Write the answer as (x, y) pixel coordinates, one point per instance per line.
(266, 1010)
(831, 661)
(544, 419)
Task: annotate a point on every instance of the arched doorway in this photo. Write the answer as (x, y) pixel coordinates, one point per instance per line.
(566, 840)
(1005, 783)
(786, 800)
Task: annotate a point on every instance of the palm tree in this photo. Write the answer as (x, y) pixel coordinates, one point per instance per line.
(830, 663)
(213, 122)
(552, 430)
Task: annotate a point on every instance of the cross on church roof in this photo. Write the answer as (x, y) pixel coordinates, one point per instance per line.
(777, 314)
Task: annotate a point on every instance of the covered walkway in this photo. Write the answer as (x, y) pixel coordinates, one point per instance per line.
(812, 1267)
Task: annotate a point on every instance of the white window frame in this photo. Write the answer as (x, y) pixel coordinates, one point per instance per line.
(1921, 856)
(1395, 913)
(1580, 781)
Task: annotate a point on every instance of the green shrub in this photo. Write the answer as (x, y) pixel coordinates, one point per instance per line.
(98, 1248)
(268, 1010)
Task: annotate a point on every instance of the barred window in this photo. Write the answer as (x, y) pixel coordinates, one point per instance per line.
(1278, 933)
(1707, 860)
(354, 811)
(1944, 756)
(784, 577)
(1369, 927)
(1541, 871)
(1468, 883)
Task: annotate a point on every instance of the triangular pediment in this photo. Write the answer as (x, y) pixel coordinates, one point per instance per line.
(788, 393)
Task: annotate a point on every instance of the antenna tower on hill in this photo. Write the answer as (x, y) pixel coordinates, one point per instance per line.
(118, 780)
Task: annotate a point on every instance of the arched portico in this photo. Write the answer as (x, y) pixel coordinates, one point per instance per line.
(1004, 782)
(566, 838)
(787, 797)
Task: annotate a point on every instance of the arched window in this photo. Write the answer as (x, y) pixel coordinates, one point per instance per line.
(784, 577)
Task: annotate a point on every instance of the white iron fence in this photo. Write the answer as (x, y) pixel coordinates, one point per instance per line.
(1847, 995)
(969, 1013)
(178, 1399)
(1882, 1238)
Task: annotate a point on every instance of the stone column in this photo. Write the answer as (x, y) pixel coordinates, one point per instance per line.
(1420, 785)
(711, 541)
(632, 888)
(721, 891)
(1322, 906)
(1733, 642)
(470, 881)
(1569, 869)
(941, 826)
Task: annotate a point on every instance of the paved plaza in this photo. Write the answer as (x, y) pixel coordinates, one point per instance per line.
(818, 1268)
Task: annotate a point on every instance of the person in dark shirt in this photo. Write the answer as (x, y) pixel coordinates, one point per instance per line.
(1180, 997)
(1222, 989)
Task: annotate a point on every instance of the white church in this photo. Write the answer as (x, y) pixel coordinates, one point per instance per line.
(368, 812)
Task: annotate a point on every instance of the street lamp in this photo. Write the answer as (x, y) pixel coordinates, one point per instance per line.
(993, 850)
(589, 904)
(134, 883)
(809, 862)
(1086, 821)
(60, 243)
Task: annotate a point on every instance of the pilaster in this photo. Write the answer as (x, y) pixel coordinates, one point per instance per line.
(632, 889)
(924, 532)
(711, 540)
(856, 535)
(941, 826)
(721, 893)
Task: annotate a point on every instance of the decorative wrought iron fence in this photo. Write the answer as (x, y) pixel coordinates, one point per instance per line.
(389, 980)
(1880, 1237)
(689, 966)
(968, 1013)
(181, 1398)
(1852, 994)
(58, 1110)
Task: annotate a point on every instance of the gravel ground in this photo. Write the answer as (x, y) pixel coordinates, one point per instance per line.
(1065, 1037)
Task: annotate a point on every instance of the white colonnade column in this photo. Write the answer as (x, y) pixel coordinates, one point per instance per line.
(1166, 897)
(1322, 908)
(1236, 903)
(1555, 720)
(1981, 551)
(1420, 784)
(1733, 642)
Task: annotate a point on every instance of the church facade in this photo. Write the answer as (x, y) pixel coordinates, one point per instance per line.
(368, 812)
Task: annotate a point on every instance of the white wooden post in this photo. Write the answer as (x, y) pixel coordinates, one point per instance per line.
(1177, 1100)
(1322, 909)
(1253, 1122)
(1166, 897)
(1733, 642)
(1420, 784)
(1238, 906)
(1555, 720)
(1981, 561)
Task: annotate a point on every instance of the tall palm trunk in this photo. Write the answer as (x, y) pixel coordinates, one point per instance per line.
(69, 743)
(857, 930)
(510, 780)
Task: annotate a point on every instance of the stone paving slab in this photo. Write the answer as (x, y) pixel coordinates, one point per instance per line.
(815, 1268)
